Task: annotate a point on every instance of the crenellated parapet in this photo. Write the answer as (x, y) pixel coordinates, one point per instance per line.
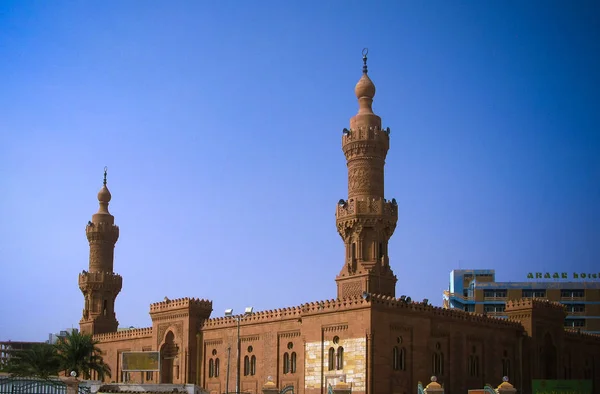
(100, 281)
(454, 314)
(365, 141)
(181, 303)
(181, 308)
(133, 333)
(531, 303)
(375, 206)
(102, 231)
(292, 313)
(574, 333)
(353, 216)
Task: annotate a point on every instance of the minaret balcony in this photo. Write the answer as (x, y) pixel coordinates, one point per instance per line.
(100, 280)
(371, 206)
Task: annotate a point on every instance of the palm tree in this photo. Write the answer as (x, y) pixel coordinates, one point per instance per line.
(80, 353)
(41, 361)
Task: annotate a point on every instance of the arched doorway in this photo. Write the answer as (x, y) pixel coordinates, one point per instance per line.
(548, 358)
(168, 354)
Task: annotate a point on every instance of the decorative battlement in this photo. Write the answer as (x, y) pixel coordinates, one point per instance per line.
(100, 280)
(537, 303)
(125, 334)
(372, 206)
(181, 303)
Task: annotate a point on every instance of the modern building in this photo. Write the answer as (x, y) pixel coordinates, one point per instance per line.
(365, 336)
(9, 348)
(477, 291)
(53, 338)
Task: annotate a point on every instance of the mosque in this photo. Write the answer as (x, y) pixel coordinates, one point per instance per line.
(365, 336)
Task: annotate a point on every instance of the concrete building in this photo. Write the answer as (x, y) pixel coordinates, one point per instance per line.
(365, 336)
(477, 291)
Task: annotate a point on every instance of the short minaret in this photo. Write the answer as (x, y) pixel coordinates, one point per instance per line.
(366, 221)
(100, 285)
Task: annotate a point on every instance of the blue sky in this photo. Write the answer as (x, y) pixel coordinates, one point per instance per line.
(220, 123)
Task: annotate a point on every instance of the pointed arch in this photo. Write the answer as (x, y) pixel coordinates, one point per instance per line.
(331, 359)
(286, 363)
(339, 359)
(293, 363)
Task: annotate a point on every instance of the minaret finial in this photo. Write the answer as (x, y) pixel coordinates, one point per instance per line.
(365, 52)
(105, 172)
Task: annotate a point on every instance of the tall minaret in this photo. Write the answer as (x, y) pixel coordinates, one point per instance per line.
(366, 221)
(100, 286)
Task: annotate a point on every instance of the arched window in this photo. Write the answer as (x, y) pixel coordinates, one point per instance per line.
(217, 368)
(438, 364)
(331, 364)
(403, 359)
(105, 307)
(395, 359)
(211, 368)
(253, 366)
(286, 363)
(506, 367)
(246, 366)
(293, 363)
(339, 360)
(474, 366)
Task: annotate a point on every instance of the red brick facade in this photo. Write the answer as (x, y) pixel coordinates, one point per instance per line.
(375, 342)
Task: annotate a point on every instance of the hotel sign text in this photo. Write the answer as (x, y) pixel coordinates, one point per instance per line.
(562, 275)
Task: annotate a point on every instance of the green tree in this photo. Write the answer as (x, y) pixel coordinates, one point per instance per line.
(40, 360)
(80, 353)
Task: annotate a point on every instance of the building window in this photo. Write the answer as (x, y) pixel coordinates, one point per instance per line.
(290, 345)
(211, 368)
(217, 368)
(286, 363)
(149, 376)
(533, 294)
(380, 251)
(293, 363)
(246, 366)
(493, 308)
(253, 365)
(576, 308)
(331, 359)
(572, 293)
(469, 308)
(339, 359)
(494, 293)
(574, 322)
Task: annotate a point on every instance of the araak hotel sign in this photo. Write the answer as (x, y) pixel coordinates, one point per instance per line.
(562, 275)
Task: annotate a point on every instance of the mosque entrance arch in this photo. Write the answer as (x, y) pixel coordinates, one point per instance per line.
(548, 358)
(169, 370)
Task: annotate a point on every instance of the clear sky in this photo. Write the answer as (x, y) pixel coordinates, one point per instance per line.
(220, 123)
